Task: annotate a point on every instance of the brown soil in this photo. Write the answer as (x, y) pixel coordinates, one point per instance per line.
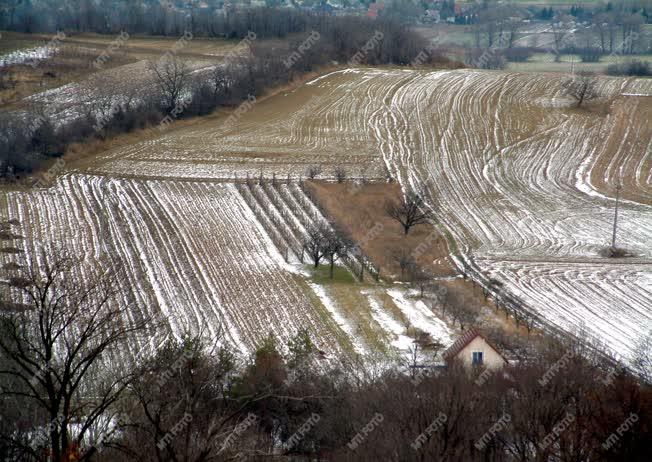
(80, 155)
(359, 209)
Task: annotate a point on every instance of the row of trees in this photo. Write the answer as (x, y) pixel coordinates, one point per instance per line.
(323, 241)
(64, 397)
(613, 30)
(148, 17)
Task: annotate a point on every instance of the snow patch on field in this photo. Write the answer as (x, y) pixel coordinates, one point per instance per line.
(394, 328)
(26, 56)
(421, 317)
(343, 323)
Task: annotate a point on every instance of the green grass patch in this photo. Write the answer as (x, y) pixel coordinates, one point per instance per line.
(451, 241)
(327, 320)
(321, 275)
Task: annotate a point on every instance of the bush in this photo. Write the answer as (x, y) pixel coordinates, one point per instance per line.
(7, 81)
(488, 58)
(614, 252)
(518, 55)
(590, 55)
(631, 68)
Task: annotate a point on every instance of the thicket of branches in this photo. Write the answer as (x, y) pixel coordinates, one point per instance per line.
(280, 404)
(195, 399)
(631, 68)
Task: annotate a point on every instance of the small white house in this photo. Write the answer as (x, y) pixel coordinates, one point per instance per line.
(475, 350)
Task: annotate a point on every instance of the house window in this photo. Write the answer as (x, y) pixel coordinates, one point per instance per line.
(477, 357)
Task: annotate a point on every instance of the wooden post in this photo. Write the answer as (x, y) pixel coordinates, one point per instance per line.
(613, 238)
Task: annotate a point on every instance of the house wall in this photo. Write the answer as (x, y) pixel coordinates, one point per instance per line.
(491, 358)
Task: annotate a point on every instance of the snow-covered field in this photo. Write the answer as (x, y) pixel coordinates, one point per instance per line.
(283, 135)
(194, 257)
(192, 251)
(69, 102)
(522, 182)
(512, 181)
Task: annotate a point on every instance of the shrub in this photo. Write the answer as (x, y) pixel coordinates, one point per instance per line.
(631, 68)
(518, 55)
(488, 58)
(590, 55)
(7, 81)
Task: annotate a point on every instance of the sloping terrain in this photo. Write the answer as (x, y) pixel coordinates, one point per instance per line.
(285, 135)
(509, 176)
(521, 183)
(193, 252)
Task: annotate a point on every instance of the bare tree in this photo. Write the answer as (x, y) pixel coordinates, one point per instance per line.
(315, 242)
(631, 29)
(466, 315)
(601, 23)
(420, 278)
(41, 130)
(489, 23)
(171, 75)
(405, 261)
(182, 408)
(340, 174)
(54, 351)
(512, 26)
(641, 360)
(409, 212)
(219, 82)
(414, 361)
(561, 28)
(529, 321)
(582, 87)
(99, 102)
(313, 171)
(335, 245)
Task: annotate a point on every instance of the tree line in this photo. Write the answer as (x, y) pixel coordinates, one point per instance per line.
(151, 17)
(591, 33)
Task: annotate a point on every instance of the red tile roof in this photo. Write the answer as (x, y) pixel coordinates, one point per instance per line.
(463, 341)
(460, 343)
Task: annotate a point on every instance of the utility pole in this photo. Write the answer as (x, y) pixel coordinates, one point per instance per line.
(613, 239)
